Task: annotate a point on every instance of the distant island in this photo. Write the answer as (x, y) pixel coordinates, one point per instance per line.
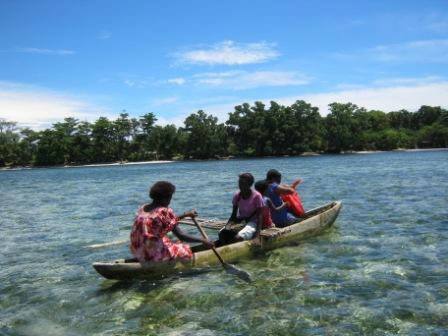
(250, 131)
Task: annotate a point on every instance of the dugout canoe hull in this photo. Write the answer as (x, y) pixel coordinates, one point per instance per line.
(314, 222)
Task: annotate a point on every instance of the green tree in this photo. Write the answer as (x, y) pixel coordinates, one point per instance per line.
(250, 130)
(239, 123)
(83, 151)
(50, 149)
(103, 140)
(65, 132)
(341, 127)
(164, 140)
(9, 140)
(370, 120)
(205, 138)
(400, 119)
(425, 116)
(122, 130)
(28, 146)
(147, 122)
(307, 132)
(433, 136)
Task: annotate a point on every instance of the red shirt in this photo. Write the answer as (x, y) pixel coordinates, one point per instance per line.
(267, 219)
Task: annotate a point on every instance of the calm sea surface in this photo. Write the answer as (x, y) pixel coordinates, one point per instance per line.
(381, 270)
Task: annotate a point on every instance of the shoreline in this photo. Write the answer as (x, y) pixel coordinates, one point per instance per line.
(305, 154)
(410, 150)
(90, 165)
(119, 164)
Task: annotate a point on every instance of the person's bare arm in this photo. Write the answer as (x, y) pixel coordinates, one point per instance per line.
(233, 215)
(270, 204)
(191, 214)
(274, 208)
(259, 222)
(284, 205)
(283, 189)
(180, 234)
(295, 184)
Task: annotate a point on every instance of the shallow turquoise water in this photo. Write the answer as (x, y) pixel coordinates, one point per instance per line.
(381, 270)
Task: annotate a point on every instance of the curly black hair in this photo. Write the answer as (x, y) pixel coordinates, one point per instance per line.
(273, 174)
(248, 177)
(261, 186)
(161, 190)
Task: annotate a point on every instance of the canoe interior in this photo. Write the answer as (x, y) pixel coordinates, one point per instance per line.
(312, 223)
(266, 233)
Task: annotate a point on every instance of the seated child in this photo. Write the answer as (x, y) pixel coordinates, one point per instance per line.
(278, 193)
(247, 204)
(262, 187)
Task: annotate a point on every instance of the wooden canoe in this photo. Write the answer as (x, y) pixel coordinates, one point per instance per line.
(312, 223)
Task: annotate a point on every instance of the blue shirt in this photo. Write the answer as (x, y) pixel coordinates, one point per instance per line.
(279, 217)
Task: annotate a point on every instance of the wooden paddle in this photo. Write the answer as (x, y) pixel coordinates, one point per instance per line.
(228, 267)
(116, 242)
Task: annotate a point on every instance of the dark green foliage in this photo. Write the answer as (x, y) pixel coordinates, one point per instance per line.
(278, 130)
(255, 130)
(9, 141)
(400, 119)
(425, 116)
(342, 127)
(434, 135)
(205, 138)
(164, 141)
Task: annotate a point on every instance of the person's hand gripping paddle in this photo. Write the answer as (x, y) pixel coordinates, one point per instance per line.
(228, 267)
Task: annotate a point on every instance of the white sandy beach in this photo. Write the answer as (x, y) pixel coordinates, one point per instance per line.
(93, 165)
(120, 164)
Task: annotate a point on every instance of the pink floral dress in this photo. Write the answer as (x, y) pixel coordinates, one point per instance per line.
(148, 236)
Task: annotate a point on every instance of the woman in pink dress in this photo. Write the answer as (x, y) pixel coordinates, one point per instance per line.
(149, 241)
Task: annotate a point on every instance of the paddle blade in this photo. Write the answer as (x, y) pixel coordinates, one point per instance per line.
(243, 275)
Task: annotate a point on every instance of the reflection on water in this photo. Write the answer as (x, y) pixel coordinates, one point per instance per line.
(382, 269)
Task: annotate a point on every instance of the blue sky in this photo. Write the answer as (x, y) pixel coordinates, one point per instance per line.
(96, 58)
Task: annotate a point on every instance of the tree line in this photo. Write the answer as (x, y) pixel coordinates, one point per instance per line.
(250, 131)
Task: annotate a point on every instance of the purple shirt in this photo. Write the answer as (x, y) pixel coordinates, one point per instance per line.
(247, 207)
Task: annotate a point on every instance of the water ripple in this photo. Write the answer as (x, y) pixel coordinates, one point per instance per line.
(381, 270)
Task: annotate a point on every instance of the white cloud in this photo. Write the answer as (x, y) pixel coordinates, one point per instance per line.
(135, 83)
(390, 98)
(177, 81)
(407, 81)
(421, 51)
(177, 120)
(230, 53)
(241, 80)
(415, 51)
(165, 101)
(386, 98)
(38, 108)
(59, 52)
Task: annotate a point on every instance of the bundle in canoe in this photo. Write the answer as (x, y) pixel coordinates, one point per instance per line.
(312, 223)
